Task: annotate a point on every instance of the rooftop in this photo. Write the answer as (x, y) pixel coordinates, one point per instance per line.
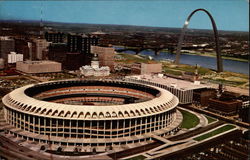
(5, 38)
(168, 81)
(165, 101)
(39, 62)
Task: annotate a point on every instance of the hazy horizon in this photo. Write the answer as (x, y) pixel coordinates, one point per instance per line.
(230, 15)
(70, 23)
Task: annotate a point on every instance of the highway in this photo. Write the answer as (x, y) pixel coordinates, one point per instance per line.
(11, 150)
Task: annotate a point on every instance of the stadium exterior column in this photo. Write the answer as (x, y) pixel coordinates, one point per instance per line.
(124, 127)
(129, 127)
(24, 123)
(70, 133)
(29, 122)
(141, 126)
(34, 124)
(83, 129)
(50, 127)
(39, 123)
(57, 127)
(111, 129)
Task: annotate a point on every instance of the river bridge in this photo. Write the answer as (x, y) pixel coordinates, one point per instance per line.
(157, 48)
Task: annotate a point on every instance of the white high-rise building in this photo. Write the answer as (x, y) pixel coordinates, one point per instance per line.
(30, 50)
(13, 57)
(41, 44)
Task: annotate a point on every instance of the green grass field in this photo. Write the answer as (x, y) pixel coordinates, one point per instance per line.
(215, 132)
(139, 157)
(189, 120)
(210, 119)
(130, 58)
(172, 72)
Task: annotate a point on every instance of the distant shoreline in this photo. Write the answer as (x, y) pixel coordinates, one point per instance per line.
(206, 55)
(212, 55)
(51, 23)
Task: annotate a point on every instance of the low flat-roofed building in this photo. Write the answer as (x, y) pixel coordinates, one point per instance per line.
(148, 68)
(180, 88)
(38, 66)
(224, 107)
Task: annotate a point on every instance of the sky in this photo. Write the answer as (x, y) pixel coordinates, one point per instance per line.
(228, 14)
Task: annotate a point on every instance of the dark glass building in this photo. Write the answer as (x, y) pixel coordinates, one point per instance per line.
(80, 43)
(55, 37)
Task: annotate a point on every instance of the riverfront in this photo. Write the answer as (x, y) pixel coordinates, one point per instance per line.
(209, 54)
(206, 75)
(203, 61)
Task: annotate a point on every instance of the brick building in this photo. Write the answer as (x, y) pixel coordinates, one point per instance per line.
(201, 96)
(75, 60)
(106, 55)
(21, 46)
(224, 106)
(57, 52)
(146, 68)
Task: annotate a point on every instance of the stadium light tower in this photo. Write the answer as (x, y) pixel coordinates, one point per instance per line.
(216, 39)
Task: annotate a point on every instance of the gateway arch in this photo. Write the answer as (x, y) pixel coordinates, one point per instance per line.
(216, 39)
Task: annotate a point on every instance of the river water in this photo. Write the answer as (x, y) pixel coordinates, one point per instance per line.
(207, 62)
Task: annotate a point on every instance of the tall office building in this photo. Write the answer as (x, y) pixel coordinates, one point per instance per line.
(87, 42)
(57, 52)
(106, 55)
(74, 61)
(7, 45)
(41, 44)
(73, 42)
(81, 43)
(54, 37)
(21, 47)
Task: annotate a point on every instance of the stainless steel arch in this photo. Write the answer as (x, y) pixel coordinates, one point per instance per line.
(217, 48)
